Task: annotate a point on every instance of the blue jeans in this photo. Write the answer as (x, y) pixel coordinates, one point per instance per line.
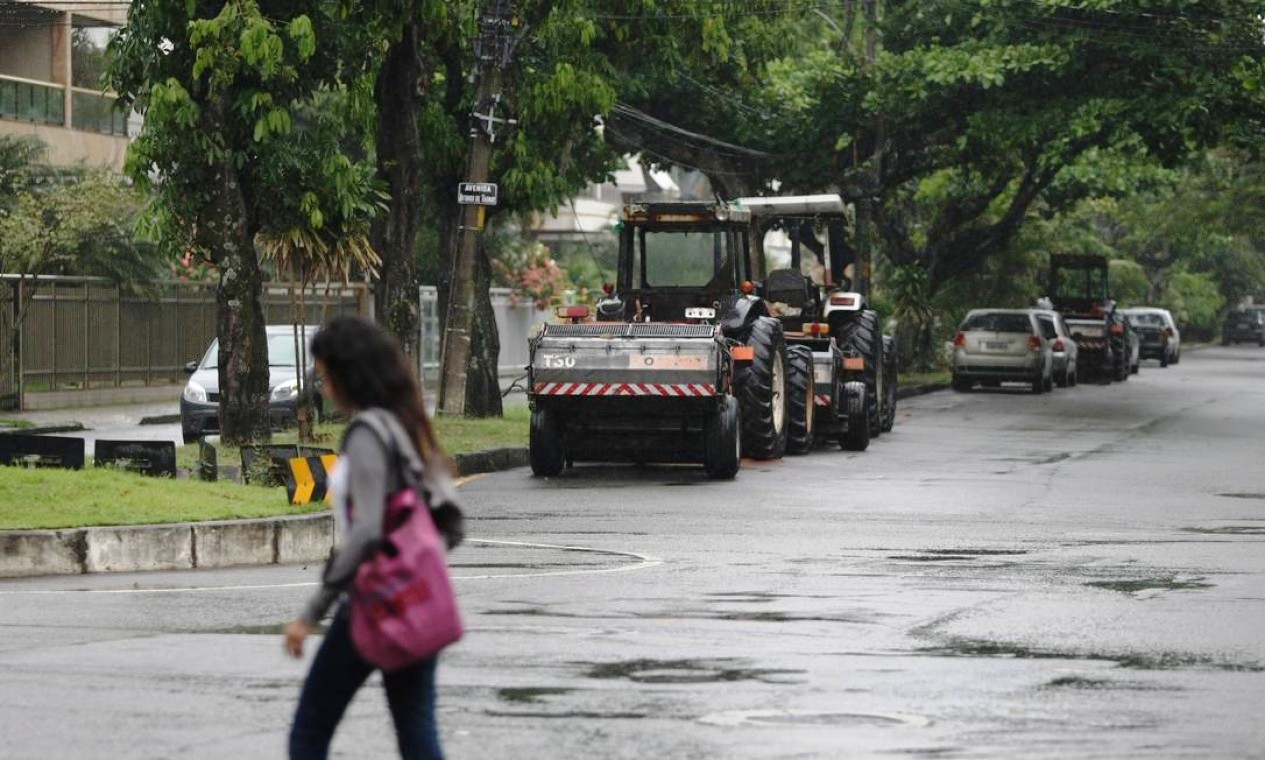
(337, 673)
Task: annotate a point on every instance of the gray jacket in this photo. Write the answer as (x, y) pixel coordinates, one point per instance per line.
(376, 450)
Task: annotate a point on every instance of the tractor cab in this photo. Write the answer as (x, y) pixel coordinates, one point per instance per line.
(679, 262)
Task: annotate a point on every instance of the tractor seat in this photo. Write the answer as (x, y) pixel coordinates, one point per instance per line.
(787, 292)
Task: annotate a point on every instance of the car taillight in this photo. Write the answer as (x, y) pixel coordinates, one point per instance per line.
(1058, 345)
(959, 340)
(1034, 343)
(1168, 332)
(1117, 329)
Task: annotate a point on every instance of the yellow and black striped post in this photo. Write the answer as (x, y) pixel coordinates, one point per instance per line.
(308, 478)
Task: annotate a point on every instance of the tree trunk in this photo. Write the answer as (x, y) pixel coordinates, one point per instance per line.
(483, 387)
(399, 158)
(243, 366)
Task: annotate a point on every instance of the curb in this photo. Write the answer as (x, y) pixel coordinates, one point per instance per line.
(187, 546)
(179, 546)
(490, 460)
(159, 419)
(920, 390)
(69, 427)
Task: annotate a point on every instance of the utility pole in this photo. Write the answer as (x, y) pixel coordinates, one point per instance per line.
(492, 50)
(867, 216)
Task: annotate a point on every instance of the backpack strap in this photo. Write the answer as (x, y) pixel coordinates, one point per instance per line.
(389, 431)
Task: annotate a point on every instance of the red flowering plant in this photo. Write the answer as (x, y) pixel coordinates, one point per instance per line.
(531, 273)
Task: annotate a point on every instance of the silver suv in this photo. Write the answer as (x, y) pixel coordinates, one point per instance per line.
(993, 346)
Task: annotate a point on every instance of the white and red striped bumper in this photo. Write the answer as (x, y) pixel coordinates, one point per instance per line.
(684, 390)
(822, 399)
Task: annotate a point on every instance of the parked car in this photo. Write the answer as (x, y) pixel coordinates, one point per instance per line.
(200, 402)
(1157, 333)
(993, 346)
(1062, 346)
(1244, 325)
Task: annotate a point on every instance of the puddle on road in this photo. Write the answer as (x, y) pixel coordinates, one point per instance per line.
(1131, 660)
(790, 718)
(1230, 530)
(571, 715)
(688, 672)
(530, 695)
(931, 558)
(1081, 683)
(1242, 495)
(1151, 584)
(270, 629)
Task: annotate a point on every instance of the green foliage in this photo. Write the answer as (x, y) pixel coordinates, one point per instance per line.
(76, 222)
(246, 85)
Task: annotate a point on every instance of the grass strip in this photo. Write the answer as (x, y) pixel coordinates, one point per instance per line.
(16, 424)
(51, 498)
(458, 435)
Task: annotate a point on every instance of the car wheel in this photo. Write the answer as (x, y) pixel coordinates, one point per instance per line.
(961, 384)
(1164, 359)
(1038, 384)
(1064, 380)
(189, 436)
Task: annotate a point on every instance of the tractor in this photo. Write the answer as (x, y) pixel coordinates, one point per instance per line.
(1079, 289)
(683, 361)
(854, 364)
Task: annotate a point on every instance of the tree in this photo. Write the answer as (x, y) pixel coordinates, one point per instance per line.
(66, 221)
(228, 89)
(555, 87)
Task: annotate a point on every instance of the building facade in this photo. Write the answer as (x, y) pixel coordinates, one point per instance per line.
(52, 56)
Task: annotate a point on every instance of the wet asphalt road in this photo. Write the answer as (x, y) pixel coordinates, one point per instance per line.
(1072, 575)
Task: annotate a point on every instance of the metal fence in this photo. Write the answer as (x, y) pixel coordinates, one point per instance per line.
(82, 333)
(514, 321)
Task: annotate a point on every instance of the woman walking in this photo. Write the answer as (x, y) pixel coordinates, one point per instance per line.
(385, 449)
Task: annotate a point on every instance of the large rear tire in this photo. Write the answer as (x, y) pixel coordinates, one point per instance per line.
(545, 444)
(891, 372)
(762, 389)
(861, 335)
(800, 399)
(723, 457)
(855, 407)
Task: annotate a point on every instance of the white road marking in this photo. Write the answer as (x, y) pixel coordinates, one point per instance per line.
(644, 561)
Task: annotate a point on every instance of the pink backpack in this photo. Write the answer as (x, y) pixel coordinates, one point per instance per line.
(403, 609)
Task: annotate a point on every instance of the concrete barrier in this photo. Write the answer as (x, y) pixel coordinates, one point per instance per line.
(301, 539)
(181, 546)
(41, 552)
(145, 547)
(224, 544)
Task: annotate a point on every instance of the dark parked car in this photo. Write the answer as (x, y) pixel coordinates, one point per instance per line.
(1158, 332)
(200, 402)
(1244, 325)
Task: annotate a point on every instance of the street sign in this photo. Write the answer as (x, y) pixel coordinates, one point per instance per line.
(477, 193)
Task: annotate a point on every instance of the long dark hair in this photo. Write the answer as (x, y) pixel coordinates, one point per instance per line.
(370, 369)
